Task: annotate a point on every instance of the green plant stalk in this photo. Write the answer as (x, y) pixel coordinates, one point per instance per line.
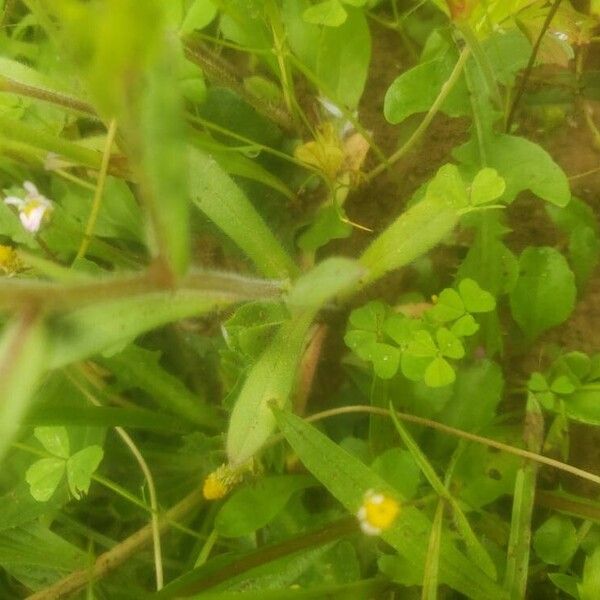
(517, 560)
(97, 202)
(447, 87)
(50, 96)
(483, 62)
(14, 293)
(20, 132)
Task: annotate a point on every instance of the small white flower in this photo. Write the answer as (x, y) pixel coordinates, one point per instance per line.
(377, 512)
(345, 127)
(34, 209)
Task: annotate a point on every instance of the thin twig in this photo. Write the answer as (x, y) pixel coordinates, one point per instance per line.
(435, 107)
(556, 464)
(529, 68)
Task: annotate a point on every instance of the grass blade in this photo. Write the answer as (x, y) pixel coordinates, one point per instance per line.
(517, 560)
(432, 564)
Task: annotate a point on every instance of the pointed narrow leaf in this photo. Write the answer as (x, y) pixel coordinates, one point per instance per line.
(226, 205)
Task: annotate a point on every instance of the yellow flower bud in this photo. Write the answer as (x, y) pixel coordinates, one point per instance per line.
(9, 260)
(220, 482)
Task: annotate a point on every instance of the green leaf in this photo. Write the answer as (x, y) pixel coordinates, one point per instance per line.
(164, 161)
(399, 469)
(198, 16)
(448, 185)
(415, 90)
(565, 583)
(385, 359)
(422, 345)
(23, 360)
(224, 203)
(555, 541)
(523, 165)
(343, 59)
(347, 479)
(80, 468)
(138, 368)
(361, 342)
(449, 345)
(487, 187)
(43, 477)
(439, 373)
(326, 226)
(330, 13)
(465, 326)
(96, 328)
(544, 294)
(430, 576)
(257, 504)
(475, 299)
(448, 306)
(54, 439)
(369, 317)
(412, 234)
(588, 588)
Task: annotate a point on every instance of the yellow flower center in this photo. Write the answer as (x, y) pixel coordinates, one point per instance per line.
(381, 514)
(377, 512)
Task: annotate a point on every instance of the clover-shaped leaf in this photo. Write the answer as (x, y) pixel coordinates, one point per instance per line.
(80, 468)
(439, 373)
(369, 317)
(448, 344)
(401, 329)
(54, 439)
(465, 326)
(43, 477)
(329, 12)
(487, 187)
(385, 359)
(422, 345)
(475, 299)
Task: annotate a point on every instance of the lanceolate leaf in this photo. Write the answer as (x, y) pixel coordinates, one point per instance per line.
(412, 234)
(272, 377)
(348, 479)
(224, 203)
(96, 328)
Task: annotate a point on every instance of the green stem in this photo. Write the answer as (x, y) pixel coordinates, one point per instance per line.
(51, 96)
(483, 62)
(423, 126)
(15, 293)
(97, 202)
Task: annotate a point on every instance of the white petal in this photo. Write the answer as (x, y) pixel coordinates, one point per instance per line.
(33, 218)
(14, 201)
(30, 188)
(331, 108)
(369, 529)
